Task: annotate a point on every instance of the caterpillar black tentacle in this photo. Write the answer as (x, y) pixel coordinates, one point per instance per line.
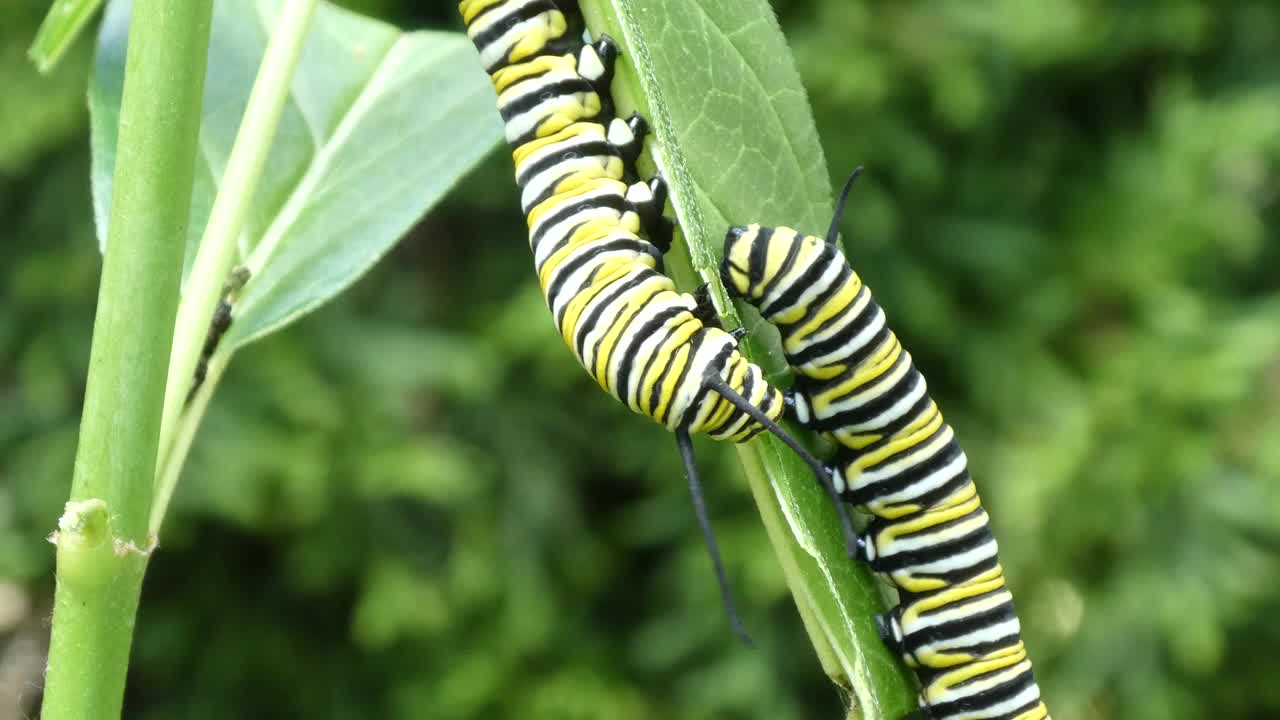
(684, 444)
(846, 524)
(598, 234)
(955, 621)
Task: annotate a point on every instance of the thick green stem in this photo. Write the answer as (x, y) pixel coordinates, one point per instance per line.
(102, 539)
(231, 207)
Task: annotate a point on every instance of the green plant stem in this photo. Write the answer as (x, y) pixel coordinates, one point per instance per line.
(834, 663)
(231, 207)
(102, 539)
(61, 26)
(170, 467)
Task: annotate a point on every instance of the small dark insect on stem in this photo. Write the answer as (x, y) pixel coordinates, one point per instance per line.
(218, 326)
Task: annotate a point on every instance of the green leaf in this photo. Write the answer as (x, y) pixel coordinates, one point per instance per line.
(379, 126)
(736, 141)
(59, 30)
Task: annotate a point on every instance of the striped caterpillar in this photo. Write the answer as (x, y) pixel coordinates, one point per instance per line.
(598, 236)
(955, 623)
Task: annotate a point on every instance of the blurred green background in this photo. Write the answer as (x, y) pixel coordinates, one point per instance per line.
(414, 504)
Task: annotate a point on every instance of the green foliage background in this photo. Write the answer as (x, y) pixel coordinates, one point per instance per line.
(414, 504)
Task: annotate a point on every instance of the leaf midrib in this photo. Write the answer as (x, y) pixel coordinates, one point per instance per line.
(318, 166)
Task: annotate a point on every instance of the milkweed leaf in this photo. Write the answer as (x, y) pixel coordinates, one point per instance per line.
(380, 124)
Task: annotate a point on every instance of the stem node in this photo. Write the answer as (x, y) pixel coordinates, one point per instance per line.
(89, 551)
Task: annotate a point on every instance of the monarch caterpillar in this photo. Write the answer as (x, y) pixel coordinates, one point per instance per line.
(658, 351)
(955, 623)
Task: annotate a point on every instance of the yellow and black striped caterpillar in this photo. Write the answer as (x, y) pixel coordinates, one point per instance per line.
(955, 623)
(598, 241)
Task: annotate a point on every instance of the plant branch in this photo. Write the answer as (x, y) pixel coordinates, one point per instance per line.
(217, 249)
(102, 539)
(61, 26)
(170, 467)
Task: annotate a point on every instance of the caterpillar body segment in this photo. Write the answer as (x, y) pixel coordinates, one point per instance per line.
(898, 460)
